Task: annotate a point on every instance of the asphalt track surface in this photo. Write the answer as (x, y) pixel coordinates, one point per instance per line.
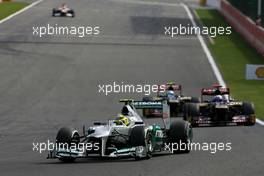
(47, 83)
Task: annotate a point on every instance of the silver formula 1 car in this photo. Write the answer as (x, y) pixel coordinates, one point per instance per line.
(126, 136)
(63, 11)
(219, 109)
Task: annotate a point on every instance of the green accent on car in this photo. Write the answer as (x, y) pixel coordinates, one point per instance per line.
(156, 130)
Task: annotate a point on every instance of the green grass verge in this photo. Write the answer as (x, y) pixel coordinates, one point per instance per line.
(231, 54)
(7, 8)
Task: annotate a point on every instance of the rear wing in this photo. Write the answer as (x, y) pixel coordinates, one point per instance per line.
(162, 105)
(211, 91)
(148, 104)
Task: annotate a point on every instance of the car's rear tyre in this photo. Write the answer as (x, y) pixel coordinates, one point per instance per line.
(249, 110)
(67, 136)
(185, 110)
(180, 134)
(174, 109)
(72, 13)
(191, 110)
(54, 11)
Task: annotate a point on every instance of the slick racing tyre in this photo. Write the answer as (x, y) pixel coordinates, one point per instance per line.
(148, 147)
(67, 136)
(53, 12)
(249, 110)
(190, 110)
(72, 13)
(137, 138)
(180, 136)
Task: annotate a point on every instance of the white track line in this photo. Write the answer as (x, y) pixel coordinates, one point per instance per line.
(209, 55)
(206, 50)
(20, 11)
(260, 122)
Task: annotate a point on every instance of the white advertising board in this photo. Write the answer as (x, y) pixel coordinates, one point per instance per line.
(254, 72)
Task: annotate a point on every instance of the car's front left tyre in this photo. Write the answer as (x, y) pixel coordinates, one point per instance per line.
(66, 137)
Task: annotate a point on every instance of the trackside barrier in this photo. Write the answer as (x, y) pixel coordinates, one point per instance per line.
(253, 33)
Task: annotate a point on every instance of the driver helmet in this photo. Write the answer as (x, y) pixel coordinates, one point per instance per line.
(171, 94)
(125, 110)
(122, 120)
(217, 99)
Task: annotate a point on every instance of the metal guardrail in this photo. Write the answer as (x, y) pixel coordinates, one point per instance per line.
(250, 8)
(253, 33)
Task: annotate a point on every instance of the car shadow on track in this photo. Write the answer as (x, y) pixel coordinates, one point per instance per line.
(97, 160)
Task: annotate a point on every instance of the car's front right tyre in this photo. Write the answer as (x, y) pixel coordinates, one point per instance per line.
(179, 134)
